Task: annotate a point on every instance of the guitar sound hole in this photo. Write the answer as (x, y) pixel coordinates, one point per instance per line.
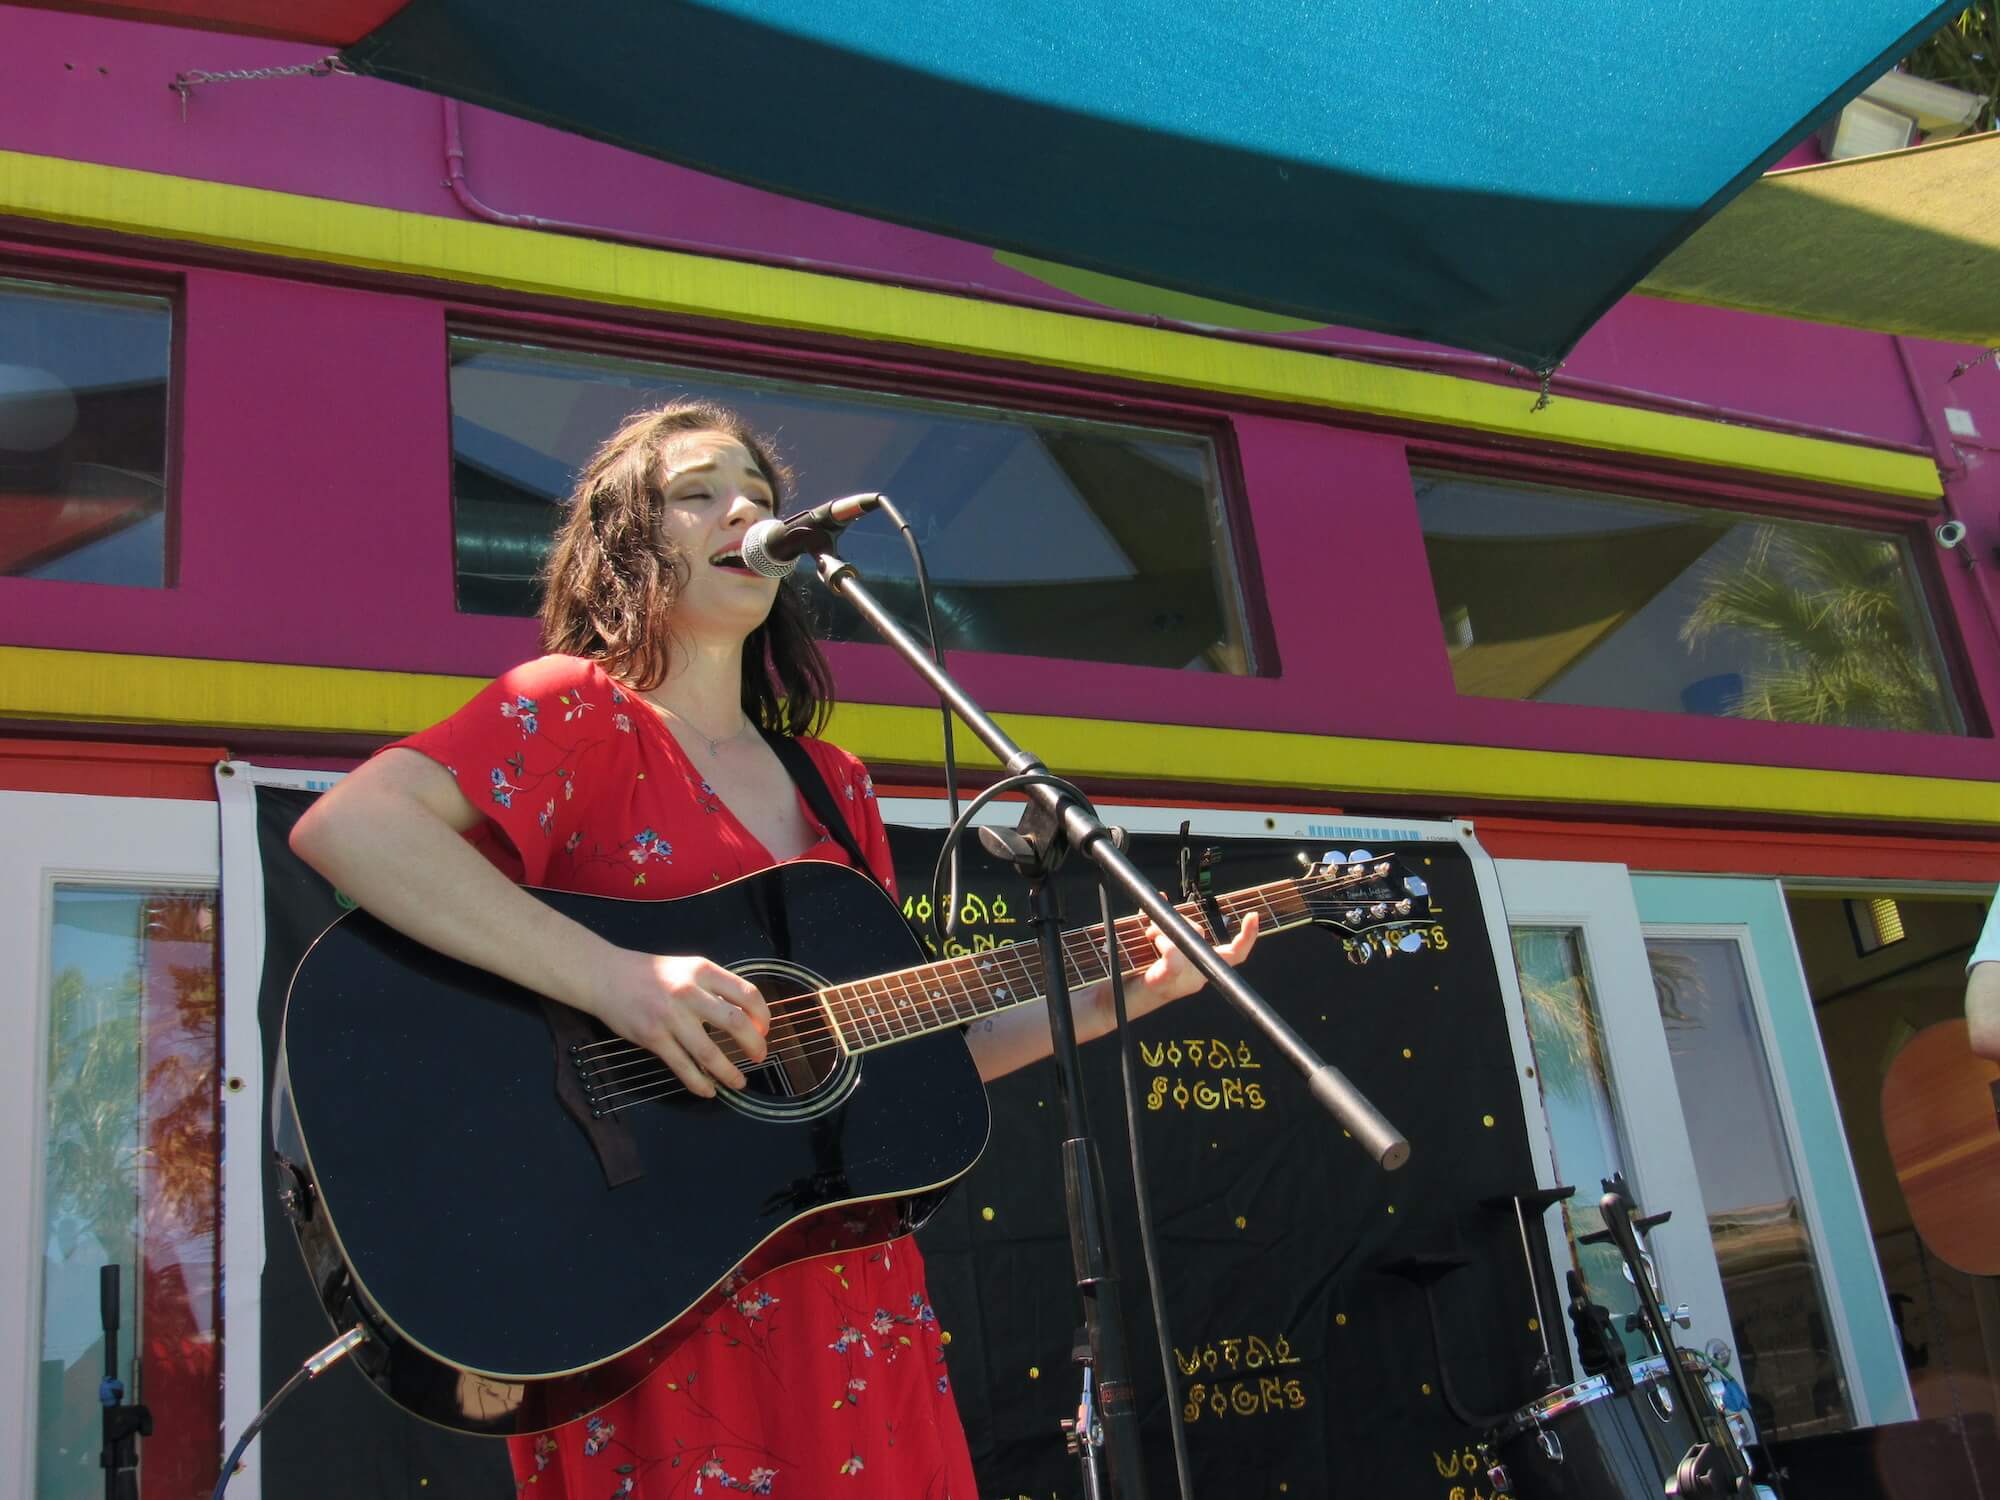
(802, 1054)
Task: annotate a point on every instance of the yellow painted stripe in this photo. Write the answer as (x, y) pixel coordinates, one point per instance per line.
(454, 250)
(90, 687)
(100, 687)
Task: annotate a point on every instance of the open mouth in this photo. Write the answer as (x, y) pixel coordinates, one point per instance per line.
(729, 558)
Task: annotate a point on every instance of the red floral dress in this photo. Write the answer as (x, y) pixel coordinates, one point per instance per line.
(822, 1373)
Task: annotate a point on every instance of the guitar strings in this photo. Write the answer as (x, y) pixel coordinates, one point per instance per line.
(1130, 936)
(644, 1070)
(603, 1057)
(1132, 943)
(1130, 932)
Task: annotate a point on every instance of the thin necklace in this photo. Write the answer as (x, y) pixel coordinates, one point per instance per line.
(714, 745)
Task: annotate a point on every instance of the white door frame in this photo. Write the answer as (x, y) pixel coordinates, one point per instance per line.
(1659, 1164)
(1794, 1146)
(53, 838)
(1850, 1271)
(243, 1104)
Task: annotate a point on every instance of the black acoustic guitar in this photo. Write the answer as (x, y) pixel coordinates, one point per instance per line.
(528, 1213)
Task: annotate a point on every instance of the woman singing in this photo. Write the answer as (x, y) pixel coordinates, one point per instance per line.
(629, 762)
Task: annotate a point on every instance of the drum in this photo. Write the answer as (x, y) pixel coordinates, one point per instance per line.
(1587, 1442)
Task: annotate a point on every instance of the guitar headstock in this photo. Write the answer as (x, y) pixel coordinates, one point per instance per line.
(1360, 892)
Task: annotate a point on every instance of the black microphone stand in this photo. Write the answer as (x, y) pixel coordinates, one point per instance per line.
(124, 1423)
(1055, 822)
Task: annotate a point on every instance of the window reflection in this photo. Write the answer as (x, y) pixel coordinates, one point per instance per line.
(1567, 1034)
(1770, 1275)
(1044, 536)
(130, 1179)
(1565, 597)
(83, 434)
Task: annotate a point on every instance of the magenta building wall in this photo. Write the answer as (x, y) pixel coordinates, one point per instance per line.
(314, 472)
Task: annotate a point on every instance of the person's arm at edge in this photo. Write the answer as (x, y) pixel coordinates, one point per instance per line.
(1982, 986)
(390, 836)
(1982, 1008)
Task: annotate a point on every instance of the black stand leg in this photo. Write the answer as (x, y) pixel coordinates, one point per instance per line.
(1107, 1416)
(124, 1424)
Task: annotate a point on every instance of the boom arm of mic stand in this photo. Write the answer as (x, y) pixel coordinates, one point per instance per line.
(1371, 1131)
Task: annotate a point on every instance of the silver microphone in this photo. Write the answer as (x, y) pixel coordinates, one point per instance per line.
(771, 547)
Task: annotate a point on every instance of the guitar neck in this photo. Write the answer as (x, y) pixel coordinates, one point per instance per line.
(938, 996)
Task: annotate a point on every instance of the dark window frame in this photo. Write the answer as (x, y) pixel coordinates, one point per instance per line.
(169, 286)
(1749, 497)
(839, 366)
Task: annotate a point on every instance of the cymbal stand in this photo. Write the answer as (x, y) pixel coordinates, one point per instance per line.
(1699, 1473)
(1541, 1286)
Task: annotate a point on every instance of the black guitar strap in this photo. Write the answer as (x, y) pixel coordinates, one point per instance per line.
(812, 786)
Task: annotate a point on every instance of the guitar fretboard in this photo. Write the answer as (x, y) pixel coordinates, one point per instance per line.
(932, 997)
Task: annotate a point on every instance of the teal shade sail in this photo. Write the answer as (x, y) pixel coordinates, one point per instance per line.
(1490, 176)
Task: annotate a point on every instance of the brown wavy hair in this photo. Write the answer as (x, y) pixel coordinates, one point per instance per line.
(609, 587)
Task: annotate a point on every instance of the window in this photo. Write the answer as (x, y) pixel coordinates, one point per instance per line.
(1756, 1217)
(129, 1180)
(1566, 1030)
(83, 434)
(1044, 535)
(1561, 596)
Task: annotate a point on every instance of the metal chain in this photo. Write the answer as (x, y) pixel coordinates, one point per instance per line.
(1973, 364)
(186, 83)
(1547, 396)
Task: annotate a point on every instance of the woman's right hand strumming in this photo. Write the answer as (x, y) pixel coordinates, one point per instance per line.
(389, 837)
(672, 1005)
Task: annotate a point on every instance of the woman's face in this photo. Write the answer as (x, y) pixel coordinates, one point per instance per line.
(713, 492)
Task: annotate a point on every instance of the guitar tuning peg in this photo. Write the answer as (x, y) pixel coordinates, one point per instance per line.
(1404, 908)
(1357, 871)
(1305, 863)
(1384, 867)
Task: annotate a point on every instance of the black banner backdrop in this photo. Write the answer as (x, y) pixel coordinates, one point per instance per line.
(1302, 1366)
